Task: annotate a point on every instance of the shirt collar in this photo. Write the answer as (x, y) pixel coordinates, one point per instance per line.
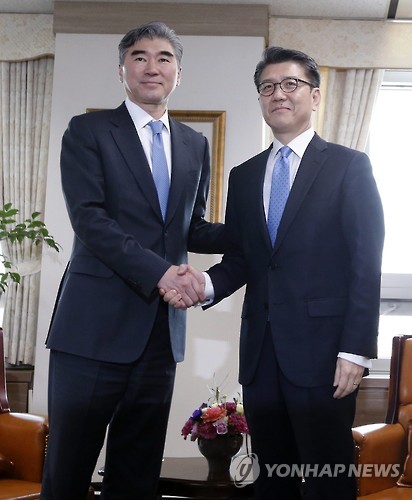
(298, 145)
(141, 118)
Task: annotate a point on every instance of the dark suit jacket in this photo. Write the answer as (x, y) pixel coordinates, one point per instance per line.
(320, 284)
(108, 298)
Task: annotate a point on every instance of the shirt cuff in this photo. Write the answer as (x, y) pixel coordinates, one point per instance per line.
(209, 291)
(355, 358)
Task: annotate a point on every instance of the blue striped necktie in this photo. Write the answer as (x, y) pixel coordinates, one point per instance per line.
(279, 192)
(159, 166)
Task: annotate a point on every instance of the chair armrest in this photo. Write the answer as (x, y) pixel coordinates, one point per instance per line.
(6, 467)
(380, 451)
(23, 439)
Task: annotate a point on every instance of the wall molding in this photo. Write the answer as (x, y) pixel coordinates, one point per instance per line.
(185, 19)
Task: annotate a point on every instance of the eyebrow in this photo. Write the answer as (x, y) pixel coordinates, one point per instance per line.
(166, 53)
(283, 78)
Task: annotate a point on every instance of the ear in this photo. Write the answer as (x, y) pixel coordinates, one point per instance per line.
(120, 73)
(179, 76)
(316, 97)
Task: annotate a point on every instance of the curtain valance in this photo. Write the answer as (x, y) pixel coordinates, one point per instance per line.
(346, 43)
(26, 36)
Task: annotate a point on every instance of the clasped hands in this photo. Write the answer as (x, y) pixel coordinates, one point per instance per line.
(182, 286)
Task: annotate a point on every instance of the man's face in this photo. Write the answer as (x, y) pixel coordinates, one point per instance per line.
(288, 114)
(150, 73)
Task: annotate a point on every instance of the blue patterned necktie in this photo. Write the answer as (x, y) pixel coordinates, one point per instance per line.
(159, 166)
(279, 192)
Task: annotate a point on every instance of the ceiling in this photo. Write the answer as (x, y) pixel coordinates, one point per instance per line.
(333, 9)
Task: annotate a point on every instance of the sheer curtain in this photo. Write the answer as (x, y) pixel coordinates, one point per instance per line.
(25, 93)
(348, 97)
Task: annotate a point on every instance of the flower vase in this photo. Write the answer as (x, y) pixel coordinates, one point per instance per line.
(219, 453)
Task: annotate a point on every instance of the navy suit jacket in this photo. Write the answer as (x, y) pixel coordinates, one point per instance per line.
(320, 284)
(108, 299)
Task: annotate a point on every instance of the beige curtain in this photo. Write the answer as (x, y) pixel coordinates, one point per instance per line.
(348, 96)
(25, 92)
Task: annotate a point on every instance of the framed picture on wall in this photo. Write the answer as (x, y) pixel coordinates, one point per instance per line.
(212, 124)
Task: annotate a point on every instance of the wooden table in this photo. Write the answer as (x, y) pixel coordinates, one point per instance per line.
(187, 478)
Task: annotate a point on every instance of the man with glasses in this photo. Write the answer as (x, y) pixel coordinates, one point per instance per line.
(306, 220)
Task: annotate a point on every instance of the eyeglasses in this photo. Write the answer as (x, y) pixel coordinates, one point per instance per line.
(287, 85)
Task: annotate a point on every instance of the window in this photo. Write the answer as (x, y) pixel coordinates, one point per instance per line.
(390, 148)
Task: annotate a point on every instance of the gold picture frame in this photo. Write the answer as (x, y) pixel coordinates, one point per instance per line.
(216, 138)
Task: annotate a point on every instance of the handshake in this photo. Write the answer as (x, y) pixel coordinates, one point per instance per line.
(182, 286)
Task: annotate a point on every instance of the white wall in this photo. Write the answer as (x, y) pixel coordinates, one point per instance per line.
(217, 75)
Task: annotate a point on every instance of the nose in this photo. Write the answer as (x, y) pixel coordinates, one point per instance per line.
(278, 92)
(151, 66)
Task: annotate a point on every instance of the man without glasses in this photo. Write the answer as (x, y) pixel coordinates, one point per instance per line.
(114, 343)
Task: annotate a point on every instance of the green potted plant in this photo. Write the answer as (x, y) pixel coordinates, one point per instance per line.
(12, 231)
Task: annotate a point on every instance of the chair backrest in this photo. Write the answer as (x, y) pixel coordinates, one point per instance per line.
(4, 402)
(400, 382)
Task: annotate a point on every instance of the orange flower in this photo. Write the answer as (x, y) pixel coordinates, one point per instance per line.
(213, 413)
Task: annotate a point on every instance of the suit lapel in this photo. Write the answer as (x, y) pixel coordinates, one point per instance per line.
(180, 167)
(128, 142)
(311, 163)
(255, 185)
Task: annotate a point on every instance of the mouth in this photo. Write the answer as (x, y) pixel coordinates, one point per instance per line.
(151, 83)
(280, 109)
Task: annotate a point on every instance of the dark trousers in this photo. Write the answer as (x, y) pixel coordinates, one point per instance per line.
(296, 428)
(129, 401)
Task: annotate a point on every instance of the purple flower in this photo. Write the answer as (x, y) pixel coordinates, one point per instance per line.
(198, 413)
(221, 426)
(237, 424)
(187, 428)
(230, 408)
(207, 430)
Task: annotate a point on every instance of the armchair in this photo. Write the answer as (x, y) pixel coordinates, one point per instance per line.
(384, 451)
(22, 446)
(23, 440)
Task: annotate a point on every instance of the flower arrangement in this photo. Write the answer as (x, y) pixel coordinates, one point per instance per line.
(219, 418)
